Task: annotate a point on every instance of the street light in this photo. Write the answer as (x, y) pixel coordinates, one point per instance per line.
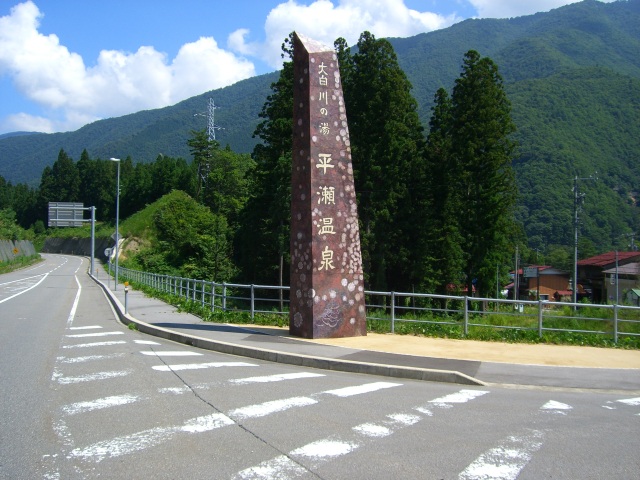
(117, 160)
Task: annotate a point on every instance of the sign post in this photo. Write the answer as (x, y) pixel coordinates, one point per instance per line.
(71, 214)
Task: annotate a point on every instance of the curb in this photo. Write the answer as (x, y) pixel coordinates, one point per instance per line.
(412, 373)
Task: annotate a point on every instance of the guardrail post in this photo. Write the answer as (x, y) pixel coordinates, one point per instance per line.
(393, 312)
(253, 299)
(224, 297)
(466, 316)
(615, 323)
(126, 298)
(213, 296)
(539, 318)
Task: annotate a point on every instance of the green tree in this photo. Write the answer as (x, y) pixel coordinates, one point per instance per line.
(201, 148)
(388, 159)
(59, 183)
(263, 240)
(443, 247)
(482, 153)
(227, 187)
(193, 240)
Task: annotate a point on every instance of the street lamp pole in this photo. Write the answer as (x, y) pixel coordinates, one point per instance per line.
(117, 160)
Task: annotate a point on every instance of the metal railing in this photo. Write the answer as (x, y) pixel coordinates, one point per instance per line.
(398, 309)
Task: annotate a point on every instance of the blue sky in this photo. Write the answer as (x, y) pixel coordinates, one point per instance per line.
(66, 63)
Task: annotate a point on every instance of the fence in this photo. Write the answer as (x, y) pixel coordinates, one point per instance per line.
(398, 309)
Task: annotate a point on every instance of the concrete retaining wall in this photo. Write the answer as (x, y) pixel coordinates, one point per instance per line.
(9, 249)
(77, 246)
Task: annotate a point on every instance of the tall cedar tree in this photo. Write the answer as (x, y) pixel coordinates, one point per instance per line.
(484, 189)
(263, 240)
(388, 159)
(443, 260)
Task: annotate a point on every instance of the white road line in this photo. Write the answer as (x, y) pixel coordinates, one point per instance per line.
(325, 449)
(74, 307)
(276, 378)
(145, 342)
(360, 389)
(171, 353)
(88, 327)
(25, 290)
(198, 366)
(174, 390)
(148, 438)
(91, 377)
(386, 427)
(267, 408)
(630, 401)
(95, 344)
(463, 396)
(284, 467)
(100, 334)
(281, 467)
(506, 461)
(99, 404)
(89, 358)
(556, 407)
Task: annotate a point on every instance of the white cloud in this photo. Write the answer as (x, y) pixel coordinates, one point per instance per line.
(517, 8)
(325, 21)
(47, 73)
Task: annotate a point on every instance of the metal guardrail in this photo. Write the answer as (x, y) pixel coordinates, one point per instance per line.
(399, 308)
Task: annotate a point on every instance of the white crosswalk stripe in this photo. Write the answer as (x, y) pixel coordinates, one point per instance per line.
(148, 438)
(200, 366)
(288, 467)
(99, 404)
(506, 461)
(98, 334)
(96, 344)
(173, 353)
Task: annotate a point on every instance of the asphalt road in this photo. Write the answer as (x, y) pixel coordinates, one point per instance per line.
(84, 397)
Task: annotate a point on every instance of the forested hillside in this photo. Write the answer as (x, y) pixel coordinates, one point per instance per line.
(572, 75)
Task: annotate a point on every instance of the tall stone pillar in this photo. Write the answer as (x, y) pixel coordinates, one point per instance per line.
(327, 283)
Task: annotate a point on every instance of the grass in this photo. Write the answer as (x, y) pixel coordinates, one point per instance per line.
(19, 262)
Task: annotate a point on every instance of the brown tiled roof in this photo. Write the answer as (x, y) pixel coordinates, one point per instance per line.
(608, 259)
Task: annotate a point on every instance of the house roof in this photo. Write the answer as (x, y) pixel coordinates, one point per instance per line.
(628, 269)
(542, 270)
(608, 258)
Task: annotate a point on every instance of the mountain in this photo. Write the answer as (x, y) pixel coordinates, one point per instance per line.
(572, 74)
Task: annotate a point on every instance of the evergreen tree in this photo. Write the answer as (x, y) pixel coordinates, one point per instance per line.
(388, 160)
(59, 183)
(442, 258)
(202, 150)
(263, 241)
(484, 190)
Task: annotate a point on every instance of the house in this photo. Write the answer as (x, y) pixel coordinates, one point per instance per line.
(618, 281)
(544, 281)
(540, 282)
(591, 271)
(633, 297)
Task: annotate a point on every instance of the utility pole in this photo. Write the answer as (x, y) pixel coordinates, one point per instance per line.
(578, 200)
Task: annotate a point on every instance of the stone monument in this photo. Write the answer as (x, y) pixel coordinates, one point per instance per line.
(327, 283)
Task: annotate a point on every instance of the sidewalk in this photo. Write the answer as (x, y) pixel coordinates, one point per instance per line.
(455, 361)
